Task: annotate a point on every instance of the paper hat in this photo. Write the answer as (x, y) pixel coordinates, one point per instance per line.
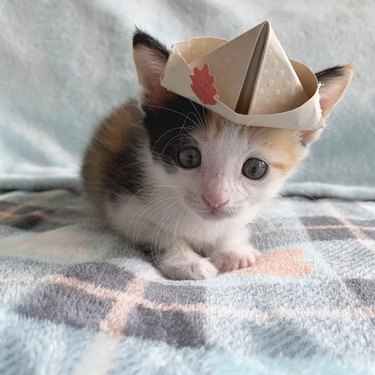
(248, 80)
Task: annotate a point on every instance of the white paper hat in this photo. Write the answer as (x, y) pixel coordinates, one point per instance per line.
(248, 80)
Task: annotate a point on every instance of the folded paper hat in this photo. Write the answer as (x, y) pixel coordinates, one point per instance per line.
(248, 80)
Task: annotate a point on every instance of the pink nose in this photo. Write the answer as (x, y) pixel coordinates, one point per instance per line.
(214, 201)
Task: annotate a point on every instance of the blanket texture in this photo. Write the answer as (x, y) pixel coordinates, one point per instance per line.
(76, 299)
(64, 65)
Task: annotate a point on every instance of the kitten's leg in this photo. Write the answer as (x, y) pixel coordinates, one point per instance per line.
(182, 263)
(234, 252)
(175, 256)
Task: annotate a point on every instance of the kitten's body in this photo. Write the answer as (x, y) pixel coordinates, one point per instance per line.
(193, 220)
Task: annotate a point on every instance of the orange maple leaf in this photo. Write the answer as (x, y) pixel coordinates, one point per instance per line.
(203, 85)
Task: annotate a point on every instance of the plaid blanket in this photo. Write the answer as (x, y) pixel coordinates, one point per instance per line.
(76, 299)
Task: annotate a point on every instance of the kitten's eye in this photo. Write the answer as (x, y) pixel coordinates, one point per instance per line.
(189, 157)
(254, 168)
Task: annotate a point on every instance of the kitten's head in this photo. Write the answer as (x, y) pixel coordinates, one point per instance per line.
(221, 169)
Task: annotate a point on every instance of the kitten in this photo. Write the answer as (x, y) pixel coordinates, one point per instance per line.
(183, 182)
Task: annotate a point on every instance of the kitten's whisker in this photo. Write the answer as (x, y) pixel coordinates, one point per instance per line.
(130, 165)
(147, 207)
(200, 119)
(168, 131)
(188, 117)
(182, 212)
(165, 233)
(162, 232)
(178, 136)
(181, 137)
(304, 193)
(155, 187)
(150, 205)
(165, 108)
(175, 238)
(154, 248)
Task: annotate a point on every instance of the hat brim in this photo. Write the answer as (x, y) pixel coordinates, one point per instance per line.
(176, 78)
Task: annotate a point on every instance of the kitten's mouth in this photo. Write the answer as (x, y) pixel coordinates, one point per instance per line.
(207, 213)
(216, 214)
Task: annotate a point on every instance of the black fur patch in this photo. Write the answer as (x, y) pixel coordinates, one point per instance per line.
(169, 128)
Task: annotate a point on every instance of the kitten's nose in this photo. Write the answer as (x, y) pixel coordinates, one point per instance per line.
(215, 201)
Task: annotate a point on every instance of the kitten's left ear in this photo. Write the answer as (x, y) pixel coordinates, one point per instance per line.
(150, 57)
(334, 82)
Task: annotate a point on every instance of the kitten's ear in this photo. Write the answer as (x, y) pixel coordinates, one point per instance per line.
(150, 57)
(334, 82)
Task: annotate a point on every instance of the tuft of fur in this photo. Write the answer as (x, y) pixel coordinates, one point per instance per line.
(192, 221)
(142, 39)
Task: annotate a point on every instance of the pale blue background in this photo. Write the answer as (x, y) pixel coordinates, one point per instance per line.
(65, 64)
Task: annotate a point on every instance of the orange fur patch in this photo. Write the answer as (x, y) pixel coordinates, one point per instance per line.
(284, 146)
(108, 140)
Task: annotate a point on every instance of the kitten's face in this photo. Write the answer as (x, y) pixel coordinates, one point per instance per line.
(221, 169)
(240, 168)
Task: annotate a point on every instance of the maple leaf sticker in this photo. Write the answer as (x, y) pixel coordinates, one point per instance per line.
(203, 85)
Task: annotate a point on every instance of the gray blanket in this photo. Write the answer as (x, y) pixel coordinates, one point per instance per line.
(76, 299)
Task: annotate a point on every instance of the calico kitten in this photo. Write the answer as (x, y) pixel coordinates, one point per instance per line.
(183, 182)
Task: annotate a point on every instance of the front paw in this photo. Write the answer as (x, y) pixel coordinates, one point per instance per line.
(229, 260)
(197, 269)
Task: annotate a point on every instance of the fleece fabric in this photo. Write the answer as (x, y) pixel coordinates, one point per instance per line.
(76, 299)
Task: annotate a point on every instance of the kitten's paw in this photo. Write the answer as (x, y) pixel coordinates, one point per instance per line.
(198, 269)
(243, 257)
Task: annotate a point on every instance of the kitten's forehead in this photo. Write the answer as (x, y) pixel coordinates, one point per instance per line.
(216, 127)
(281, 147)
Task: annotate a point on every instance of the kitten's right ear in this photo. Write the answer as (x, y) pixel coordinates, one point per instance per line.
(150, 57)
(334, 82)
